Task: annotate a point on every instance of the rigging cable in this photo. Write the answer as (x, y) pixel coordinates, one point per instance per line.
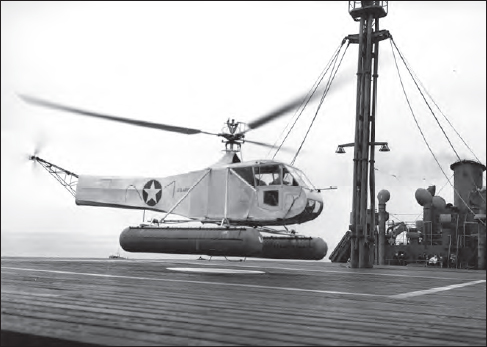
(444, 184)
(310, 94)
(438, 107)
(327, 88)
(437, 121)
(424, 138)
(427, 104)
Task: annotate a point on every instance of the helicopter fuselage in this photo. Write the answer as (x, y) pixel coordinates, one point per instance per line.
(253, 193)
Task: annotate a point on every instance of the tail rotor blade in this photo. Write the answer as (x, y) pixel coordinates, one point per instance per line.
(39, 145)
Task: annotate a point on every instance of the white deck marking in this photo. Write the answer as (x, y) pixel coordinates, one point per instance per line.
(207, 263)
(434, 290)
(187, 261)
(214, 270)
(198, 282)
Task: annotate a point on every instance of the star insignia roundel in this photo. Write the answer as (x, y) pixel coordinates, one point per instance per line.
(152, 192)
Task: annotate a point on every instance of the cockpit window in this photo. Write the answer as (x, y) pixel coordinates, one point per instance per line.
(306, 180)
(246, 173)
(268, 175)
(300, 177)
(288, 178)
(273, 175)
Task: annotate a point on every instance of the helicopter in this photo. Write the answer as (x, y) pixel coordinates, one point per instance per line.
(242, 198)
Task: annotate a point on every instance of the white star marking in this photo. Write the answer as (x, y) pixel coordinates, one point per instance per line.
(151, 193)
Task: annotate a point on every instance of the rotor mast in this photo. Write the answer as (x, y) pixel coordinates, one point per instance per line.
(233, 138)
(363, 220)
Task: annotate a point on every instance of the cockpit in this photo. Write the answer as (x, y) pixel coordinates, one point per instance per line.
(281, 191)
(273, 175)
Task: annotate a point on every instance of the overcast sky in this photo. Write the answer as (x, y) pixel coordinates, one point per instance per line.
(196, 64)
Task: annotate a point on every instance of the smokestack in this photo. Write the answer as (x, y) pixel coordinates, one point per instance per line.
(467, 178)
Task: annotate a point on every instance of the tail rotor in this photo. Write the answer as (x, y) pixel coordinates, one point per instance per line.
(39, 146)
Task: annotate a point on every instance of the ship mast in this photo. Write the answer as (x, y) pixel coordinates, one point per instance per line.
(363, 219)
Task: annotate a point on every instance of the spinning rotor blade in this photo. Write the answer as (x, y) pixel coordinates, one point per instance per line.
(38, 149)
(259, 143)
(292, 105)
(267, 145)
(280, 111)
(141, 123)
(39, 145)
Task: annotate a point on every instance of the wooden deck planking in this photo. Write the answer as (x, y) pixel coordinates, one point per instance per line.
(183, 313)
(99, 334)
(193, 302)
(120, 304)
(299, 329)
(230, 284)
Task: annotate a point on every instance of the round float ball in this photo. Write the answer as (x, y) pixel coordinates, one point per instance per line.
(383, 196)
(423, 196)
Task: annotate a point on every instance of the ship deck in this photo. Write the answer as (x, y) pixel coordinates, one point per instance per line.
(77, 302)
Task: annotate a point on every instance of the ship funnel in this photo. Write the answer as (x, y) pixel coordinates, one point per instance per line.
(467, 179)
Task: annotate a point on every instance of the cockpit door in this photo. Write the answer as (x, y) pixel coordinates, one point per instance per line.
(268, 183)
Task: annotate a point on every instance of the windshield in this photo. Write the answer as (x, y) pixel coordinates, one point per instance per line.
(300, 177)
(268, 175)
